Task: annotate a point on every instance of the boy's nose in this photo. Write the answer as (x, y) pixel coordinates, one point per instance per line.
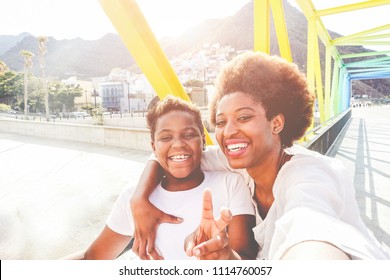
(177, 143)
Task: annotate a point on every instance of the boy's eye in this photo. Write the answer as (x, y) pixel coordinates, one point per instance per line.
(189, 136)
(165, 138)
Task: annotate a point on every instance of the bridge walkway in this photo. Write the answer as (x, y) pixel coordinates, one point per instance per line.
(55, 195)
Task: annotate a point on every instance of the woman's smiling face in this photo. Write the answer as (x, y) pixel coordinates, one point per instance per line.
(242, 130)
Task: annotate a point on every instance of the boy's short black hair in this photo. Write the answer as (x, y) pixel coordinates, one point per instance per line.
(168, 104)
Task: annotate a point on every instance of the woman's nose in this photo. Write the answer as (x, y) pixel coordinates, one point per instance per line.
(230, 129)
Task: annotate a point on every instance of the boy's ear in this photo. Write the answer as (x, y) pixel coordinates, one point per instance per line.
(203, 142)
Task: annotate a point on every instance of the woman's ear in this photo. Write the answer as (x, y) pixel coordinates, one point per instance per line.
(153, 146)
(203, 142)
(277, 123)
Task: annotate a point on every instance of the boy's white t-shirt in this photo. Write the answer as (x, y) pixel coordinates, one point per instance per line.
(228, 190)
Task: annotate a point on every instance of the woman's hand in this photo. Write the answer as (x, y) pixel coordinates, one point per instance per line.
(146, 221)
(210, 240)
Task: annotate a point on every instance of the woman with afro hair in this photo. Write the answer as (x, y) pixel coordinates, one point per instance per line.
(305, 205)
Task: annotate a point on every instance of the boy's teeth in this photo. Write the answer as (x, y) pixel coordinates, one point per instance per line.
(179, 158)
(236, 147)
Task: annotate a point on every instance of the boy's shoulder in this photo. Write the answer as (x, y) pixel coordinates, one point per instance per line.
(225, 178)
(221, 174)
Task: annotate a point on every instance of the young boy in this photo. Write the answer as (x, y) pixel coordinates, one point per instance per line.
(178, 139)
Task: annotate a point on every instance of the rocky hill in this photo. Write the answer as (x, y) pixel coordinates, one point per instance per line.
(76, 57)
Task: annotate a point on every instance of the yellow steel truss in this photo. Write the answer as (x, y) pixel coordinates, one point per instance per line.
(139, 39)
(332, 97)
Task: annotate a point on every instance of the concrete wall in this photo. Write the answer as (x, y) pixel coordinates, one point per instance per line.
(132, 138)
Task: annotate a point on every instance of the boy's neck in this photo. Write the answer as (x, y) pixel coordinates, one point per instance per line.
(174, 184)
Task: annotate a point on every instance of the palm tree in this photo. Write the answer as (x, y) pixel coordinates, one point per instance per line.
(27, 56)
(3, 67)
(42, 40)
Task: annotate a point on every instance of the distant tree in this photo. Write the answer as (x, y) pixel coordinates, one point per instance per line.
(42, 40)
(27, 56)
(4, 107)
(36, 98)
(62, 96)
(11, 87)
(193, 83)
(3, 68)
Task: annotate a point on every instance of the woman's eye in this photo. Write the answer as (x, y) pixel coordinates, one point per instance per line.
(219, 123)
(244, 118)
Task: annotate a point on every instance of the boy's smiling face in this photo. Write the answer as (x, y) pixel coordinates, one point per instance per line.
(178, 144)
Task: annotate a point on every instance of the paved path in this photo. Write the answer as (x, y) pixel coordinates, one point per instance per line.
(364, 148)
(55, 195)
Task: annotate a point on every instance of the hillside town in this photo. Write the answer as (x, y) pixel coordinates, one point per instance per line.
(123, 91)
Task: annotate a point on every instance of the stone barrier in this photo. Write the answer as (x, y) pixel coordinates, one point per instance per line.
(132, 138)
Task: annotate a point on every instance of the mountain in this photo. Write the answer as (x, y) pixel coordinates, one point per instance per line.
(76, 57)
(95, 58)
(237, 31)
(86, 59)
(9, 41)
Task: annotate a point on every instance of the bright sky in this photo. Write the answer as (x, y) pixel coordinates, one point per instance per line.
(353, 21)
(67, 19)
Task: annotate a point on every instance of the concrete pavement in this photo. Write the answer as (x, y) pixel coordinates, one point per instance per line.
(56, 195)
(364, 148)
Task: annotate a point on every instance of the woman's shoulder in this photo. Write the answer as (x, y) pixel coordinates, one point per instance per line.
(312, 166)
(304, 156)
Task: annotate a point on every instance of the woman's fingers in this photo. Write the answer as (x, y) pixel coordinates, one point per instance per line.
(145, 234)
(224, 219)
(210, 239)
(207, 206)
(152, 252)
(166, 218)
(217, 243)
(139, 247)
(189, 244)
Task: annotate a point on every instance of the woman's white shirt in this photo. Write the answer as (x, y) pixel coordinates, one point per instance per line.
(314, 200)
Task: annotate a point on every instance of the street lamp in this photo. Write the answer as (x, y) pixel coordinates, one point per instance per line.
(94, 94)
(128, 96)
(204, 86)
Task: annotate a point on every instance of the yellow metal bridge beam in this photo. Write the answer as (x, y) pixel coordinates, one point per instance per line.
(261, 10)
(364, 33)
(328, 80)
(139, 39)
(316, 29)
(281, 29)
(314, 77)
(262, 20)
(352, 7)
